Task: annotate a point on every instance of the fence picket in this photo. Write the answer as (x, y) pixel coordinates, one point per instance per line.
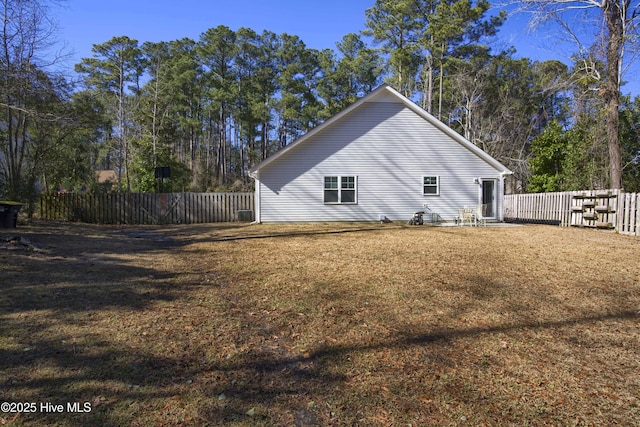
(636, 201)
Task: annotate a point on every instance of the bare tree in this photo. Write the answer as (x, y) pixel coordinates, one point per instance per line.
(26, 35)
(618, 31)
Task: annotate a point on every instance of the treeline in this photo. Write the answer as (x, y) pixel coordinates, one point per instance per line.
(212, 108)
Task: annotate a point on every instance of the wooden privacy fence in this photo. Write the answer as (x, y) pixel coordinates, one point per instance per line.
(608, 209)
(148, 208)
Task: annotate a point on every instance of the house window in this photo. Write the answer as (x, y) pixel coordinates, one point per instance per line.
(430, 185)
(340, 189)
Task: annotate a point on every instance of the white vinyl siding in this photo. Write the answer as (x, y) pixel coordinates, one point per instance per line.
(389, 149)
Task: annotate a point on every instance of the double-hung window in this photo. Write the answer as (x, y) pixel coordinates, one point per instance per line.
(340, 189)
(430, 185)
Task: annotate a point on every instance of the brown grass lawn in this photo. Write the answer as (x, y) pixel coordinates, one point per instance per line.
(319, 324)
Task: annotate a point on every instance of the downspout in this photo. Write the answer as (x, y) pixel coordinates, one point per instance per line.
(256, 199)
(501, 199)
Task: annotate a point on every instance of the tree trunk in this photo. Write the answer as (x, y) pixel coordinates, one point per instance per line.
(440, 90)
(611, 91)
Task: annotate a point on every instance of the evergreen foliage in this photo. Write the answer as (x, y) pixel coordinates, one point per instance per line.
(212, 108)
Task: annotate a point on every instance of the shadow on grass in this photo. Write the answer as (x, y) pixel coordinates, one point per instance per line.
(255, 232)
(266, 379)
(272, 380)
(129, 385)
(444, 335)
(71, 268)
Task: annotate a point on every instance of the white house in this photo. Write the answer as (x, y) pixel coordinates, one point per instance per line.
(381, 157)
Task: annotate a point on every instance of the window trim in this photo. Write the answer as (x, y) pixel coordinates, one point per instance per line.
(436, 185)
(340, 189)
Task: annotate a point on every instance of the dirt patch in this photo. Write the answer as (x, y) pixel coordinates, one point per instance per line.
(320, 324)
(17, 243)
(160, 238)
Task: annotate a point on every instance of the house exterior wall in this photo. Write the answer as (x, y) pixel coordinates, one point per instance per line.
(389, 148)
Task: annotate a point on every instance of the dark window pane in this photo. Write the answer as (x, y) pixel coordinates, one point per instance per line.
(331, 182)
(348, 196)
(430, 180)
(331, 196)
(430, 189)
(348, 182)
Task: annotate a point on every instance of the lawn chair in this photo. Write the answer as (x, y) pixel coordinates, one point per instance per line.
(466, 215)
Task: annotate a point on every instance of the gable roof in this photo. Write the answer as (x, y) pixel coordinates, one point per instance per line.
(381, 91)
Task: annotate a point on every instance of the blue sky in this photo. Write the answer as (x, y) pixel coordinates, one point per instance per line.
(319, 24)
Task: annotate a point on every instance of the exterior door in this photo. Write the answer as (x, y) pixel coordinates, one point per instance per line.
(489, 196)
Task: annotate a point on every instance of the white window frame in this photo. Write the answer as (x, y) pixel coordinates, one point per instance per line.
(340, 189)
(436, 185)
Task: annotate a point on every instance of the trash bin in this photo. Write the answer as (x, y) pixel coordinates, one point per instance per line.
(9, 214)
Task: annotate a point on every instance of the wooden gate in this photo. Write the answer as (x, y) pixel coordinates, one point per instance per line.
(608, 209)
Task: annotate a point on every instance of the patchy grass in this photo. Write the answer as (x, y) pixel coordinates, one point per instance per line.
(320, 324)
